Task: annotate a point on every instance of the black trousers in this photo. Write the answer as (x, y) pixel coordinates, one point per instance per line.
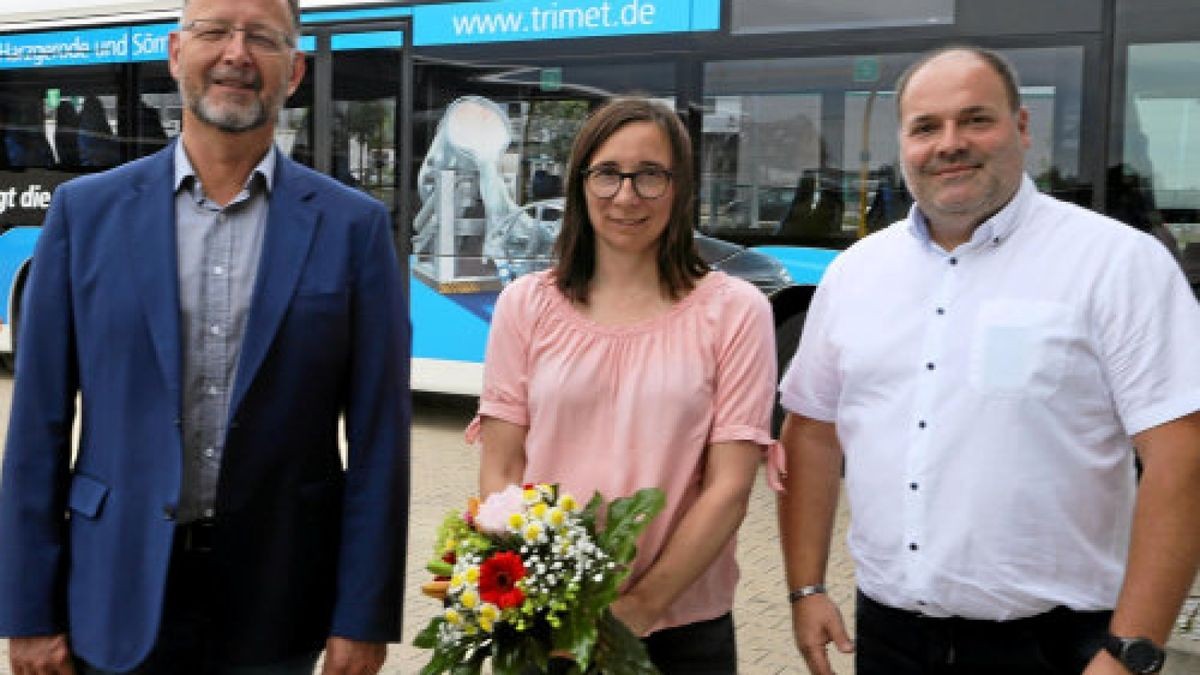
(701, 648)
(897, 642)
(185, 644)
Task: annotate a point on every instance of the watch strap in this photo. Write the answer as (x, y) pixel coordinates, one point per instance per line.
(805, 591)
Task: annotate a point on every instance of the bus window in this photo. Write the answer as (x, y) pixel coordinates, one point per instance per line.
(1156, 185)
(804, 151)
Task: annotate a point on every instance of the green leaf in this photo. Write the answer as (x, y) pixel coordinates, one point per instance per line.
(440, 568)
(471, 666)
(514, 657)
(627, 517)
(618, 650)
(428, 637)
(577, 636)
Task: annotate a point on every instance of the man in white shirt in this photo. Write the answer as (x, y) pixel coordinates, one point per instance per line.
(985, 369)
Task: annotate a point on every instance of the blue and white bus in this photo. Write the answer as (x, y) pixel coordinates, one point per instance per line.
(459, 116)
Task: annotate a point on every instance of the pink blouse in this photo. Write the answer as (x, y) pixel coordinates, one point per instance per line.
(618, 408)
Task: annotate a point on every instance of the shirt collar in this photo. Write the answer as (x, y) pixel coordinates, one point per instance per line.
(995, 230)
(264, 168)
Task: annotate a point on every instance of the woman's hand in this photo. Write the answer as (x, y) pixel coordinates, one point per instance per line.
(637, 615)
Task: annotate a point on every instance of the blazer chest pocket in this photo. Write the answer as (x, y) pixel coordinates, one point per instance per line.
(87, 496)
(1021, 347)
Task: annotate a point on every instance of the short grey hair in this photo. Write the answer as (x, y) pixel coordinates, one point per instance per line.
(293, 9)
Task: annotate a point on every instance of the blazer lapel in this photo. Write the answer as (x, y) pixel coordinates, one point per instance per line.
(151, 233)
(291, 222)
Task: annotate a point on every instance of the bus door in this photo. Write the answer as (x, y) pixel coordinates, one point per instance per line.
(351, 116)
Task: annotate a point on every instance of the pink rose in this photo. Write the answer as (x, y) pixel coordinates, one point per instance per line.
(493, 514)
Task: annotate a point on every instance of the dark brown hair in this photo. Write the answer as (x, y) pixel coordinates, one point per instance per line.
(994, 60)
(679, 265)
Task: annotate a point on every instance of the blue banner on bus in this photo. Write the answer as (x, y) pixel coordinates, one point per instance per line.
(521, 20)
(85, 47)
(433, 25)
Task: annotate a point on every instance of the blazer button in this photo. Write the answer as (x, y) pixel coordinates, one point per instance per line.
(169, 512)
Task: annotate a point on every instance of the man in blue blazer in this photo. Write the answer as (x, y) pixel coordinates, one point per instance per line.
(215, 309)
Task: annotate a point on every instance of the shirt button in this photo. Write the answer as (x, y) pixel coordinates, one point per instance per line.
(210, 453)
(913, 486)
(954, 261)
(913, 547)
(941, 311)
(929, 366)
(218, 270)
(209, 513)
(214, 390)
(215, 330)
(921, 424)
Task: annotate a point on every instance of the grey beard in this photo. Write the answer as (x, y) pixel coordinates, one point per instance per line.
(231, 121)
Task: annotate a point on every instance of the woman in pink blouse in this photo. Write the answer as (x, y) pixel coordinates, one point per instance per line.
(632, 365)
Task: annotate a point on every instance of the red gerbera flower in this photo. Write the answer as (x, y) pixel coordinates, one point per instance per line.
(498, 577)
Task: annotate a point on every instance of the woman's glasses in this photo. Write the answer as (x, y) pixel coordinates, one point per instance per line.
(604, 182)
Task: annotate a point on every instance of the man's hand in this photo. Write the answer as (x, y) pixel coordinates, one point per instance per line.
(351, 657)
(42, 655)
(816, 622)
(1104, 664)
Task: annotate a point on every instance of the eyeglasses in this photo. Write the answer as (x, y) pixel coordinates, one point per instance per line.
(604, 182)
(259, 39)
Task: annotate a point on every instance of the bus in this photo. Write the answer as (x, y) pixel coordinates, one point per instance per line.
(459, 116)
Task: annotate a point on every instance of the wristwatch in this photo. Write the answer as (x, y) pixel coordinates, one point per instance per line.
(1138, 655)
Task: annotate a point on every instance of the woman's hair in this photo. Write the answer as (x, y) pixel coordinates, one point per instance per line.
(679, 265)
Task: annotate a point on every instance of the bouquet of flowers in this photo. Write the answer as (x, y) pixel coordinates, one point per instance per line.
(528, 576)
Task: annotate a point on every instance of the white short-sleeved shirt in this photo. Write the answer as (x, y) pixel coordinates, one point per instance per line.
(985, 399)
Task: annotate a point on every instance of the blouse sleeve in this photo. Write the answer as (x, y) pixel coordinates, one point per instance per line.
(745, 376)
(506, 362)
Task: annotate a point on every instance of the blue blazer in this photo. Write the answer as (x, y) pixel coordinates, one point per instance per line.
(304, 549)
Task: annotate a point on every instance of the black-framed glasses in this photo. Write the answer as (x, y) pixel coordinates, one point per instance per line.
(604, 182)
(259, 39)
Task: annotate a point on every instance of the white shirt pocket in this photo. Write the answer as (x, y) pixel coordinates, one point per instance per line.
(1020, 348)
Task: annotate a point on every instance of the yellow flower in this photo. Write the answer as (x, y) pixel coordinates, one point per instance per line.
(568, 503)
(556, 517)
(456, 581)
(533, 532)
(472, 575)
(469, 599)
(539, 510)
(532, 495)
(450, 546)
(488, 614)
(453, 617)
(516, 521)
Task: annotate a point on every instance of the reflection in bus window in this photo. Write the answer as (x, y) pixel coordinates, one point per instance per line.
(66, 134)
(1156, 185)
(97, 144)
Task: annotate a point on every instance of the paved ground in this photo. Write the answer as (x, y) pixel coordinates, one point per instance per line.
(444, 474)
